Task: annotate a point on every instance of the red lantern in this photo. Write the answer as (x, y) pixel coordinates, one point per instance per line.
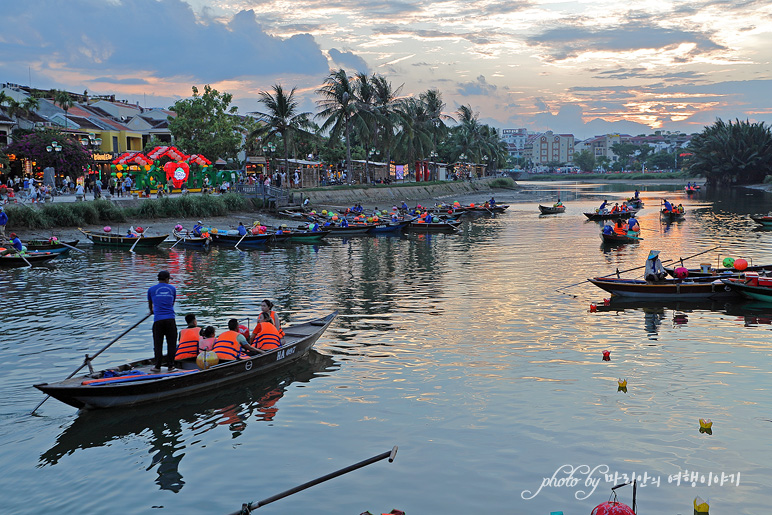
(612, 508)
(740, 264)
(177, 172)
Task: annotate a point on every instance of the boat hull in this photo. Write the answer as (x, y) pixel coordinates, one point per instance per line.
(763, 220)
(35, 258)
(551, 210)
(190, 380)
(56, 248)
(390, 227)
(125, 242)
(610, 216)
(762, 293)
(665, 290)
(617, 239)
(450, 226)
(250, 241)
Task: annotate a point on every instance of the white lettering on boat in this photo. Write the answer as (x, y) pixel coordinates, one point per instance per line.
(283, 353)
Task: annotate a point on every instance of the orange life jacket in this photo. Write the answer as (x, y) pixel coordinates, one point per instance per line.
(267, 337)
(188, 346)
(275, 319)
(620, 230)
(226, 346)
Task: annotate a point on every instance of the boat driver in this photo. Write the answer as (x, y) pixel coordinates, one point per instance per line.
(654, 269)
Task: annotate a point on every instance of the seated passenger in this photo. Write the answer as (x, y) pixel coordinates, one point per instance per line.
(207, 338)
(197, 229)
(242, 230)
(231, 344)
(187, 347)
(620, 228)
(265, 336)
(344, 223)
(654, 269)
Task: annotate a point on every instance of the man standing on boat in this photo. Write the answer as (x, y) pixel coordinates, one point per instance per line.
(160, 300)
(602, 209)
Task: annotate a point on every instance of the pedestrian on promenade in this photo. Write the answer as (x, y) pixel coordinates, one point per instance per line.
(160, 300)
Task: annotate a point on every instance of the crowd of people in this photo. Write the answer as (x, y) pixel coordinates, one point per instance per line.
(235, 342)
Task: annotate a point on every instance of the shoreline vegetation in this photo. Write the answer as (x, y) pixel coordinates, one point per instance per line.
(98, 212)
(612, 176)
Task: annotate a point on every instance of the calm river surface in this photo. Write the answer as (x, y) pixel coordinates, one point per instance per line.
(456, 348)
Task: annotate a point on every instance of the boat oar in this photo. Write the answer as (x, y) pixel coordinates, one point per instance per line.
(73, 248)
(248, 507)
(18, 252)
(242, 239)
(175, 244)
(88, 359)
(135, 243)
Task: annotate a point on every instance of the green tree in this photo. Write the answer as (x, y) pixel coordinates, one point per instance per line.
(659, 161)
(280, 119)
(732, 153)
(624, 152)
(207, 124)
(435, 106)
(385, 106)
(585, 160)
(71, 160)
(64, 100)
(338, 107)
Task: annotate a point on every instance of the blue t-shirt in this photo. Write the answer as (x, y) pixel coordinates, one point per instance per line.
(17, 244)
(242, 230)
(3, 218)
(162, 296)
(668, 206)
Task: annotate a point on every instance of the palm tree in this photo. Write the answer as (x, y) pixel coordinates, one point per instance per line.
(65, 102)
(280, 118)
(366, 119)
(338, 107)
(385, 108)
(414, 139)
(434, 106)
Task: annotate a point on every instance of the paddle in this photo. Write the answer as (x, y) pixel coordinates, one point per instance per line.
(638, 268)
(135, 243)
(175, 244)
(248, 507)
(18, 252)
(70, 246)
(87, 360)
(242, 239)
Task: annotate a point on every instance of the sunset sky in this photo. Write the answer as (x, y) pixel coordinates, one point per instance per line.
(581, 67)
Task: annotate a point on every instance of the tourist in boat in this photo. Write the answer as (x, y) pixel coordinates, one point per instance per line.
(242, 230)
(344, 222)
(668, 206)
(188, 343)
(207, 338)
(267, 307)
(620, 228)
(654, 269)
(232, 344)
(3, 221)
(404, 206)
(198, 228)
(602, 209)
(636, 195)
(492, 202)
(160, 300)
(558, 203)
(680, 208)
(265, 336)
(633, 229)
(615, 209)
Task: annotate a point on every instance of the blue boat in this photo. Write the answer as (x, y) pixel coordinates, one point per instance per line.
(390, 227)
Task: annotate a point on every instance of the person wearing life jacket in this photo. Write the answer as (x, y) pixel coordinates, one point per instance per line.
(231, 344)
(266, 306)
(558, 203)
(620, 228)
(265, 336)
(188, 341)
(615, 209)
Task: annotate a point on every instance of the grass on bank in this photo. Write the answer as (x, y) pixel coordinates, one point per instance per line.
(626, 176)
(499, 182)
(77, 214)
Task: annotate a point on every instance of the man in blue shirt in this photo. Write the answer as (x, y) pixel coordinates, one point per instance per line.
(242, 230)
(197, 229)
(602, 208)
(160, 300)
(668, 205)
(3, 221)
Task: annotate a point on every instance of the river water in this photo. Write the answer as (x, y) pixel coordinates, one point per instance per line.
(457, 348)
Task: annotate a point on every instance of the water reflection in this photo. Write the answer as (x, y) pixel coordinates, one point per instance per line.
(169, 428)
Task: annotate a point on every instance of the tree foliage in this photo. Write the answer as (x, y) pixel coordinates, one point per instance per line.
(207, 124)
(71, 160)
(732, 153)
(585, 160)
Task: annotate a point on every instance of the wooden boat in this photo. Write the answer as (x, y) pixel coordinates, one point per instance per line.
(390, 227)
(634, 203)
(13, 259)
(55, 247)
(137, 385)
(351, 230)
(670, 289)
(751, 286)
(124, 242)
(190, 241)
(299, 236)
(671, 216)
(250, 241)
(611, 216)
(480, 209)
(763, 220)
(722, 272)
(551, 210)
(448, 226)
(618, 239)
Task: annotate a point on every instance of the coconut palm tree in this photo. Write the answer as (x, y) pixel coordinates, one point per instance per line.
(338, 107)
(413, 139)
(280, 118)
(385, 107)
(366, 121)
(432, 99)
(64, 100)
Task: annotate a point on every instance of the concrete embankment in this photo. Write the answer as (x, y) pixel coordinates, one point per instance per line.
(395, 195)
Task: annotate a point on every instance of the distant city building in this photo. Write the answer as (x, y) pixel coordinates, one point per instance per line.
(515, 140)
(602, 146)
(548, 147)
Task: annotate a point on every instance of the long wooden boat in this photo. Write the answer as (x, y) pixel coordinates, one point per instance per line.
(618, 239)
(250, 241)
(721, 272)
(634, 203)
(671, 216)
(55, 246)
(137, 385)
(756, 288)
(610, 216)
(351, 230)
(763, 220)
(479, 209)
(669, 289)
(448, 226)
(689, 191)
(190, 241)
(13, 259)
(300, 236)
(390, 227)
(551, 210)
(124, 242)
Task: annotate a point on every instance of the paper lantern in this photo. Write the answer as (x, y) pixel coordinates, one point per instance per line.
(119, 167)
(147, 168)
(177, 172)
(119, 174)
(740, 264)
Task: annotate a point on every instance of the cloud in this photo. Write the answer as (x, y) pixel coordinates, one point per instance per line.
(163, 38)
(476, 87)
(348, 60)
(113, 80)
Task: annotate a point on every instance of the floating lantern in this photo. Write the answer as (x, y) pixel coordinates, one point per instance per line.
(471, 205)
(606, 355)
(740, 264)
(706, 423)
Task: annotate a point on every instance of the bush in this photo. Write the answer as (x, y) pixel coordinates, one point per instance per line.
(503, 182)
(768, 179)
